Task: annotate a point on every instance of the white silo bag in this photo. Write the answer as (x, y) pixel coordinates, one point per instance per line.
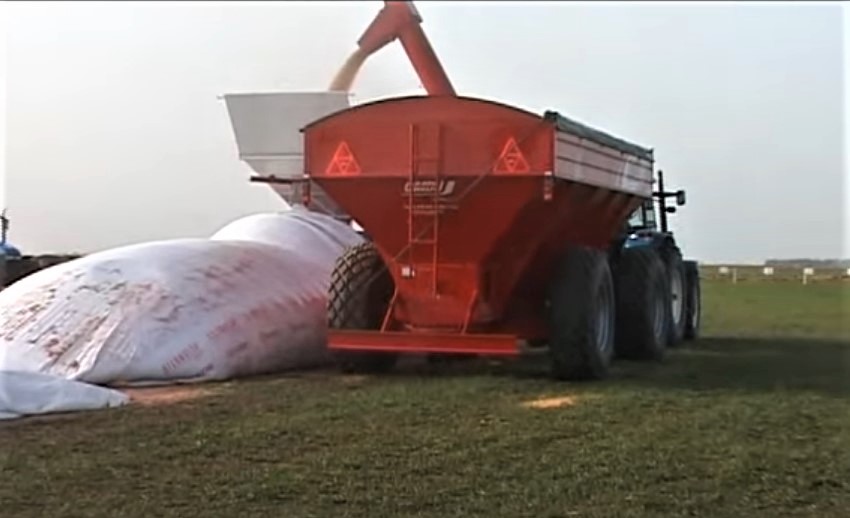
(180, 310)
(313, 235)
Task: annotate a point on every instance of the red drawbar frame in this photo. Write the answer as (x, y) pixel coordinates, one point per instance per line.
(430, 342)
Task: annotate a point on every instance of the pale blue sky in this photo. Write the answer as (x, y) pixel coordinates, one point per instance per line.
(115, 134)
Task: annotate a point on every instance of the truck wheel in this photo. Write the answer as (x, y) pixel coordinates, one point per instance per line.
(643, 305)
(359, 294)
(581, 316)
(678, 283)
(693, 314)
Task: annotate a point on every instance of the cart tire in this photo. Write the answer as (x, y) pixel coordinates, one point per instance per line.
(678, 283)
(643, 305)
(581, 316)
(693, 315)
(359, 294)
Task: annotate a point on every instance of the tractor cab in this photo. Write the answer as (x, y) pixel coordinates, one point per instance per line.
(643, 221)
(643, 218)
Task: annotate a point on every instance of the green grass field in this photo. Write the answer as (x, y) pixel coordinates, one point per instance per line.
(752, 420)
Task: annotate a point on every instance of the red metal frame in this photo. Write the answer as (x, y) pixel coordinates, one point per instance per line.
(499, 229)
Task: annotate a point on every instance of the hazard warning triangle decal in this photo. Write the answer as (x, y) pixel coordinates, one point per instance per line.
(511, 160)
(343, 162)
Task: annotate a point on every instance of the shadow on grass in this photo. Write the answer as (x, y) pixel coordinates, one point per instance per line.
(746, 364)
(752, 364)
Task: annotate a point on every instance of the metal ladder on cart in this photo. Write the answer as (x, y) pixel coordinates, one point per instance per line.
(423, 202)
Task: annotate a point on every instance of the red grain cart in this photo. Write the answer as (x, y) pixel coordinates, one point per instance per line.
(491, 229)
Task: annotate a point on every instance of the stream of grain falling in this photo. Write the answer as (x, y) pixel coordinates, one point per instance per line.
(345, 76)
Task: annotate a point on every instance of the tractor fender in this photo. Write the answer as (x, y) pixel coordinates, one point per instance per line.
(658, 240)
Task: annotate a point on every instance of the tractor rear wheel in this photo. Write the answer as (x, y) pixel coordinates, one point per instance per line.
(360, 291)
(693, 312)
(678, 284)
(581, 316)
(643, 305)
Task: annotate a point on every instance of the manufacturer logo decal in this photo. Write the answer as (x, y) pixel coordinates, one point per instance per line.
(442, 188)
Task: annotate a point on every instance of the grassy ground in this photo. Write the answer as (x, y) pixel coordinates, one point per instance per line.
(753, 420)
(777, 309)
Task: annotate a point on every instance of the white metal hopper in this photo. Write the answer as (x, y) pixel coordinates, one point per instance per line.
(267, 127)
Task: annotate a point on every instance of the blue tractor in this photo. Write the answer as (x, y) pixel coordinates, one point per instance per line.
(9, 255)
(645, 230)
